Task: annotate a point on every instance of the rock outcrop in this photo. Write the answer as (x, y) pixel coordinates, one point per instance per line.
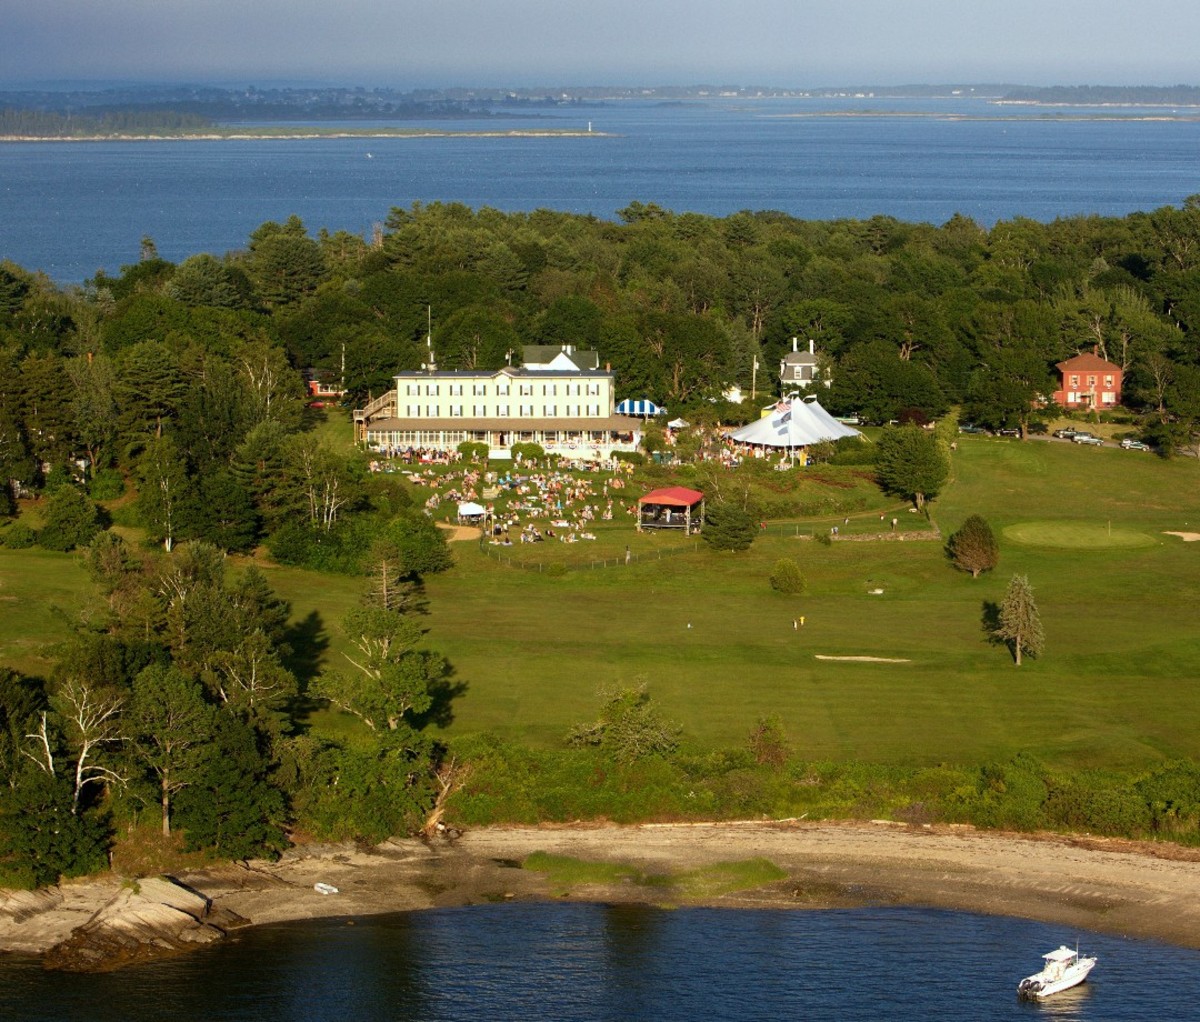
(137, 921)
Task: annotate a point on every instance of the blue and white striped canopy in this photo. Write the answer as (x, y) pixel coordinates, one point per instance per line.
(640, 407)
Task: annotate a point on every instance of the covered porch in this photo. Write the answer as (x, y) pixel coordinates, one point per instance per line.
(674, 507)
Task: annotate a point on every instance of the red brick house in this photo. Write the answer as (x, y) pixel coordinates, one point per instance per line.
(1087, 381)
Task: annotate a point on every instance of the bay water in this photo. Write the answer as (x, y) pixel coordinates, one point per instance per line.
(599, 963)
(72, 208)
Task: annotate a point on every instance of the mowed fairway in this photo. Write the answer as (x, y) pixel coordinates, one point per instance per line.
(1119, 683)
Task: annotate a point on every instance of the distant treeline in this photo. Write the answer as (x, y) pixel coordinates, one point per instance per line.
(1101, 95)
(48, 124)
(214, 104)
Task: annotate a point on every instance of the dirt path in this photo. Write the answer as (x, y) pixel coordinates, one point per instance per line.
(459, 533)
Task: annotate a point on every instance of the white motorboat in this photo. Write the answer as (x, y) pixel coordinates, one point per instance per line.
(1064, 969)
(325, 888)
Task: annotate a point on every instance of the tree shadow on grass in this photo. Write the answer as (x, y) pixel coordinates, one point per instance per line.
(442, 693)
(989, 622)
(309, 641)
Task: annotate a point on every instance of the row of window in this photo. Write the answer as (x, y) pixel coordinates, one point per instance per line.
(1107, 397)
(416, 411)
(1091, 381)
(502, 389)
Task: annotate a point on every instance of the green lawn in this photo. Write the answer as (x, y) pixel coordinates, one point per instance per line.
(41, 596)
(1117, 685)
(1114, 687)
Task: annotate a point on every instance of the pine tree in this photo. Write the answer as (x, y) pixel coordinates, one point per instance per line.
(1020, 626)
(728, 527)
(973, 547)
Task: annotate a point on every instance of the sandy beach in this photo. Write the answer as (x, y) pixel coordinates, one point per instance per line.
(1125, 888)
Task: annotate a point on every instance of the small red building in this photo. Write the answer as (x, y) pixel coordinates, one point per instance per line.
(1088, 381)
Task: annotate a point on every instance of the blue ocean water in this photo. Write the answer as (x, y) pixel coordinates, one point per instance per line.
(597, 963)
(71, 208)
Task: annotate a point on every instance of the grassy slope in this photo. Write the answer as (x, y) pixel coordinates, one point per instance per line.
(1116, 686)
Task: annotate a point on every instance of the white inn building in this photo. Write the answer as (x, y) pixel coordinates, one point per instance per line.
(559, 399)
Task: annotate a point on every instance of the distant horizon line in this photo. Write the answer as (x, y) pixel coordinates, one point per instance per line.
(224, 82)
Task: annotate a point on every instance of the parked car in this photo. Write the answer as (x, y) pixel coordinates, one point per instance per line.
(1134, 445)
(1008, 432)
(1065, 434)
(968, 428)
(1087, 438)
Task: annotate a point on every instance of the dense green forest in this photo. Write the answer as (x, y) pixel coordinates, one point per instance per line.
(182, 385)
(25, 123)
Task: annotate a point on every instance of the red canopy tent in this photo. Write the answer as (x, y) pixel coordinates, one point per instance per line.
(673, 507)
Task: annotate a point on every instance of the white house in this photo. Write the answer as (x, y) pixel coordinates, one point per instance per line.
(801, 369)
(559, 399)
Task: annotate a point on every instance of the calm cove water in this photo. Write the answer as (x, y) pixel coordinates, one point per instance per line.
(567, 962)
(70, 208)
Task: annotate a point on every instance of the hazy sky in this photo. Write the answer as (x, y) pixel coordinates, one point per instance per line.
(539, 42)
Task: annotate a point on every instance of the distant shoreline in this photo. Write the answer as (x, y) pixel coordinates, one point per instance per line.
(948, 115)
(340, 133)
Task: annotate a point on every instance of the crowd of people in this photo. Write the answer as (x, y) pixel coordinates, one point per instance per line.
(527, 506)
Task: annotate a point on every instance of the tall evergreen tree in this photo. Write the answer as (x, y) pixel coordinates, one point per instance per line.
(1020, 626)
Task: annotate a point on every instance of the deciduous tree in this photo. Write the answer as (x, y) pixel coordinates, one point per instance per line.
(170, 725)
(912, 462)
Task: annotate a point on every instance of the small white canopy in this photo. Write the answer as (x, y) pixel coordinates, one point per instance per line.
(1061, 954)
(793, 424)
(469, 509)
(679, 423)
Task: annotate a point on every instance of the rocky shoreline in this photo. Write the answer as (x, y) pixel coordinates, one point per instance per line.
(1127, 888)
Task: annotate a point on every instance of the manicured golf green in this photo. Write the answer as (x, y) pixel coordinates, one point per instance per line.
(1076, 535)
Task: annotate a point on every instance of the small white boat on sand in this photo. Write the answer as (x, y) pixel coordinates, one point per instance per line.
(325, 889)
(1064, 969)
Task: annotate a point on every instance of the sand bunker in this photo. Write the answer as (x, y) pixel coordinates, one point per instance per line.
(1187, 537)
(863, 659)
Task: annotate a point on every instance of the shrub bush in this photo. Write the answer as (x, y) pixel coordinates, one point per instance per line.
(527, 452)
(787, 578)
(473, 451)
(18, 536)
(853, 452)
(71, 520)
(107, 484)
(630, 457)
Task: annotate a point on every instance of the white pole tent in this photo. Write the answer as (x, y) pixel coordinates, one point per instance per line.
(793, 424)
